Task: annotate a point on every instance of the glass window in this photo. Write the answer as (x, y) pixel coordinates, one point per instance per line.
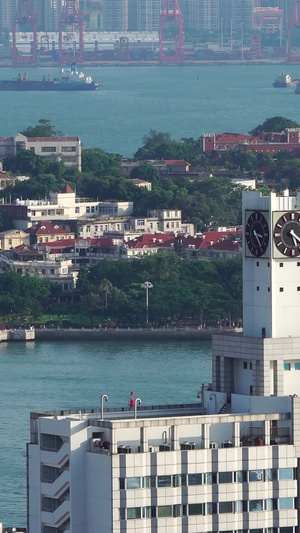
(195, 509)
(286, 503)
(240, 476)
(297, 365)
(177, 510)
(286, 473)
(256, 475)
(149, 512)
(164, 481)
(195, 479)
(122, 483)
(256, 505)
(287, 366)
(225, 477)
(211, 508)
(176, 480)
(286, 529)
(271, 474)
(225, 507)
(122, 514)
(256, 531)
(134, 513)
(133, 482)
(269, 504)
(149, 482)
(238, 506)
(164, 511)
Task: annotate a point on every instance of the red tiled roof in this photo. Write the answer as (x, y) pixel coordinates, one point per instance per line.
(67, 189)
(46, 228)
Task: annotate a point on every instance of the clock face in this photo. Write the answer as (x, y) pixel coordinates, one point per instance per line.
(287, 234)
(257, 234)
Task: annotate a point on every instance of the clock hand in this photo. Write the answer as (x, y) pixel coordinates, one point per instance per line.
(295, 236)
(256, 235)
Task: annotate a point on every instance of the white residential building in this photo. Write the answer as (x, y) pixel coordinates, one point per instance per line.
(65, 149)
(229, 463)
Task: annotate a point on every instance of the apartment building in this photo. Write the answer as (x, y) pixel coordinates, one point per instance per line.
(65, 149)
(228, 462)
(157, 220)
(115, 15)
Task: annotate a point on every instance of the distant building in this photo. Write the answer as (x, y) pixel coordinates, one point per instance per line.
(273, 142)
(46, 231)
(115, 15)
(142, 183)
(12, 238)
(65, 149)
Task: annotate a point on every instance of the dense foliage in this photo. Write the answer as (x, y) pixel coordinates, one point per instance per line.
(198, 290)
(277, 124)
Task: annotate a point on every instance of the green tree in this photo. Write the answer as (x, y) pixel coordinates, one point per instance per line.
(44, 128)
(277, 123)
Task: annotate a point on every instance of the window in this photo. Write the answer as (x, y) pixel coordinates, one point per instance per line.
(245, 365)
(48, 149)
(211, 508)
(149, 512)
(122, 483)
(281, 265)
(92, 209)
(134, 513)
(256, 475)
(176, 480)
(177, 511)
(269, 504)
(133, 483)
(77, 209)
(68, 148)
(286, 503)
(69, 159)
(164, 511)
(164, 481)
(149, 482)
(271, 474)
(122, 514)
(257, 263)
(195, 479)
(240, 476)
(225, 507)
(140, 222)
(287, 366)
(297, 366)
(286, 473)
(256, 505)
(257, 288)
(238, 506)
(88, 210)
(280, 289)
(298, 288)
(225, 477)
(51, 270)
(195, 509)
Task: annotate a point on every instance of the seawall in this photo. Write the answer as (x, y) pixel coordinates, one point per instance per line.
(130, 335)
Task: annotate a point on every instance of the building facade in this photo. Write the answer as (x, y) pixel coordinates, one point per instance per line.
(228, 463)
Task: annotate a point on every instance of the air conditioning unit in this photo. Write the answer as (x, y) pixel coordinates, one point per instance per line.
(165, 447)
(98, 443)
(187, 446)
(213, 445)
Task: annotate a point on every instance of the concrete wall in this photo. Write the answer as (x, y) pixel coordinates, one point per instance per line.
(123, 334)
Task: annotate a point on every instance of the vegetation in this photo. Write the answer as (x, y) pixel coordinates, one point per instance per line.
(274, 124)
(44, 128)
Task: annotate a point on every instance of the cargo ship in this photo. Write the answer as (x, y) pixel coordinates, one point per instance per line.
(70, 80)
(285, 80)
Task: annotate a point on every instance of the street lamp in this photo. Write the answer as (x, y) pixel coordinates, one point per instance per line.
(147, 285)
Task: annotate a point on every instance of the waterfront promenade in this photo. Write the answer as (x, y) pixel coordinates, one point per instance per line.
(129, 334)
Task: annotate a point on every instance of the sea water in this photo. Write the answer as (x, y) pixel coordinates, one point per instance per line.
(61, 375)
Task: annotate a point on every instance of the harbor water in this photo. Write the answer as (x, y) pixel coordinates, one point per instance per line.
(59, 375)
(184, 101)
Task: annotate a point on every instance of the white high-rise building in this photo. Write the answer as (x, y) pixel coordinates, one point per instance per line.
(227, 464)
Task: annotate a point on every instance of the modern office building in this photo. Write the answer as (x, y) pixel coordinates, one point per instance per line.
(115, 15)
(228, 463)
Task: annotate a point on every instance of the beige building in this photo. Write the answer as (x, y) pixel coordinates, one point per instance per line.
(12, 238)
(65, 149)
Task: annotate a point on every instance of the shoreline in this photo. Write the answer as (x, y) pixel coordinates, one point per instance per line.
(130, 335)
(192, 63)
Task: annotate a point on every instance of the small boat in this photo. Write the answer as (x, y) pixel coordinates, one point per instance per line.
(285, 80)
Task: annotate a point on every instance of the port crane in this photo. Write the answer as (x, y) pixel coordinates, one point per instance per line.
(25, 20)
(171, 12)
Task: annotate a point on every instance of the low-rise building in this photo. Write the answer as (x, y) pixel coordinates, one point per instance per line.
(65, 149)
(46, 232)
(12, 238)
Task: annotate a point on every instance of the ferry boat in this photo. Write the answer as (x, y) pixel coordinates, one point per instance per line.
(70, 80)
(285, 80)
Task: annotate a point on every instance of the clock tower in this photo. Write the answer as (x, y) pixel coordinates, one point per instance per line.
(265, 359)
